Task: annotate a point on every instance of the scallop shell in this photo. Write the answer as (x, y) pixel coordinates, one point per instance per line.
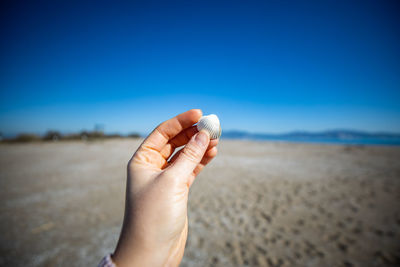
(211, 124)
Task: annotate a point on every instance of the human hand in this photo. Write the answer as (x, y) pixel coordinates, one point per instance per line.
(155, 225)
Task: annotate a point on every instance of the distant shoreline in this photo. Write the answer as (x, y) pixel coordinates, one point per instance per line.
(320, 141)
(339, 137)
(348, 137)
(283, 141)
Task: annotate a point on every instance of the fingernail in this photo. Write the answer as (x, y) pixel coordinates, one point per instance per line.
(201, 138)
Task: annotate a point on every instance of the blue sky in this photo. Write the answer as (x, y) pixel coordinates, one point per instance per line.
(268, 66)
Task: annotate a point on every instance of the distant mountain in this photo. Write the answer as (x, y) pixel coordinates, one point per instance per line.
(331, 136)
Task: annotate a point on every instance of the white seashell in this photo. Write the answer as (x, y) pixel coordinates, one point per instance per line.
(211, 124)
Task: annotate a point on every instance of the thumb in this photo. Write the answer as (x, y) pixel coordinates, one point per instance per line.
(191, 155)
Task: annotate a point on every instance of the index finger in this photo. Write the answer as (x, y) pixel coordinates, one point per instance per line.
(170, 128)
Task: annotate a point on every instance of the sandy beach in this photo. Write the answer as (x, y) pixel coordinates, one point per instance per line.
(257, 204)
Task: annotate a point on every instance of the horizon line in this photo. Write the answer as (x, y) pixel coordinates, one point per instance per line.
(229, 131)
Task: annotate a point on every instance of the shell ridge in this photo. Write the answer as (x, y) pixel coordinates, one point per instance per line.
(211, 124)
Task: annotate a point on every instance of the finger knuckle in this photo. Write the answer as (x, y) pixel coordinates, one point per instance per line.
(214, 151)
(192, 152)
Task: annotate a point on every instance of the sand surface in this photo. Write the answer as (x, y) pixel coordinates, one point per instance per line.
(257, 204)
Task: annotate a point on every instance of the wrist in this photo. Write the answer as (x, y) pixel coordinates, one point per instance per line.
(132, 253)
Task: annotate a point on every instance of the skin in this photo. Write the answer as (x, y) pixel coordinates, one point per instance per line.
(155, 227)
